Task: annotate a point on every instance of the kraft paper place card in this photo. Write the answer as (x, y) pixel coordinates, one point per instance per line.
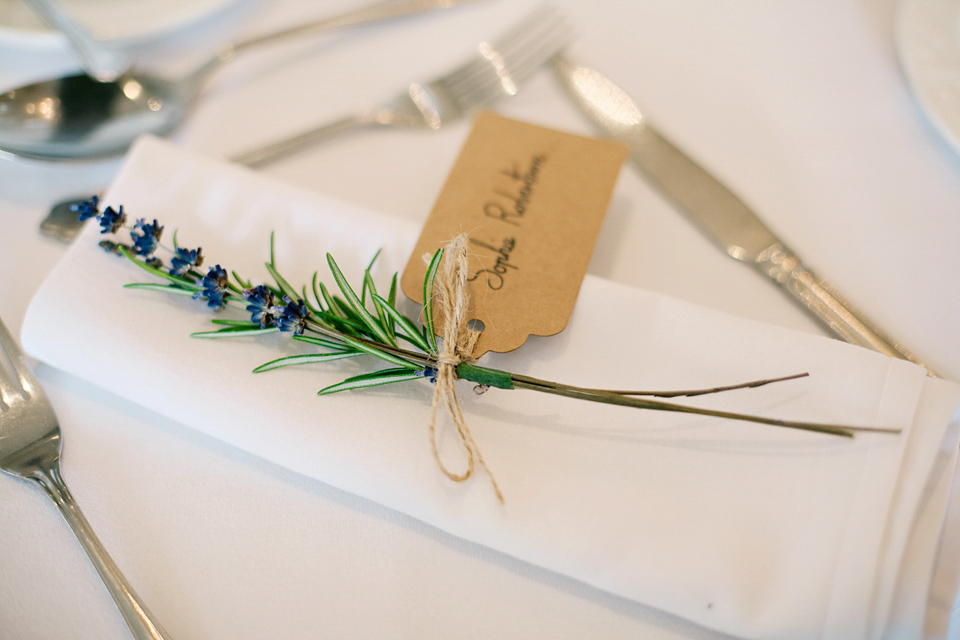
(531, 200)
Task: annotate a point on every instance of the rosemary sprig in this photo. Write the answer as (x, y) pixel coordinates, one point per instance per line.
(349, 325)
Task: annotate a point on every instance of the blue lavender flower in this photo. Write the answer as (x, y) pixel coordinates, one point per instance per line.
(112, 219)
(87, 208)
(261, 305)
(292, 317)
(216, 279)
(428, 372)
(214, 299)
(155, 262)
(214, 286)
(145, 242)
(183, 259)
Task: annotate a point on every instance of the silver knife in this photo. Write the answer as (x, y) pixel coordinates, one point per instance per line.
(716, 210)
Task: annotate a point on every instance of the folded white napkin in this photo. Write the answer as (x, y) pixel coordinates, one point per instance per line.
(753, 530)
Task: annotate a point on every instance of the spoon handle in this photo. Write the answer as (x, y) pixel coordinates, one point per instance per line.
(378, 12)
(101, 61)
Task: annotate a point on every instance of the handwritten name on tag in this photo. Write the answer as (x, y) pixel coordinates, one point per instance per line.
(531, 201)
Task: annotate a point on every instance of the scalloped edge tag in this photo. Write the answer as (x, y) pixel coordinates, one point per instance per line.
(531, 200)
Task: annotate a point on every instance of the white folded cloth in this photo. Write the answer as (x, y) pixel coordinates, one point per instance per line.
(757, 531)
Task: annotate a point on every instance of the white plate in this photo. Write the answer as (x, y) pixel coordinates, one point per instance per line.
(126, 21)
(928, 43)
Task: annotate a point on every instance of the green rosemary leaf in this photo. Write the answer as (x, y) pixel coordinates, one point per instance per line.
(344, 325)
(233, 332)
(368, 280)
(177, 280)
(428, 278)
(392, 297)
(382, 316)
(347, 312)
(331, 305)
(166, 288)
(235, 323)
(240, 281)
(285, 286)
(175, 245)
(273, 262)
(368, 285)
(392, 302)
(305, 358)
(306, 301)
(387, 357)
(355, 303)
(386, 321)
(377, 378)
(374, 259)
(409, 330)
(321, 342)
(316, 291)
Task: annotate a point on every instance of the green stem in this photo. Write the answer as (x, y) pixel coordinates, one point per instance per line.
(506, 380)
(612, 397)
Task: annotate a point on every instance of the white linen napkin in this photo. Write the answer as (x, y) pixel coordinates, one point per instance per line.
(753, 530)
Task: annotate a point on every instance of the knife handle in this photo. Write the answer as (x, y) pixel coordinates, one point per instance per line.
(784, 267)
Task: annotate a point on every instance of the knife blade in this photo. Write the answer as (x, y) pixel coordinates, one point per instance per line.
(722, 216)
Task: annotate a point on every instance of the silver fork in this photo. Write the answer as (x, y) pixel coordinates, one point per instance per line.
(496, 72)
(30, 449)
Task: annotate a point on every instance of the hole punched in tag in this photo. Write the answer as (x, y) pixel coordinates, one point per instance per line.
(477, 325)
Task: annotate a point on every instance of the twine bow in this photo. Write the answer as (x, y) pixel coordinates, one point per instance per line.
(450, 292)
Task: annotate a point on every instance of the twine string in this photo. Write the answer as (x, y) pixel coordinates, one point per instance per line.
(450, 292)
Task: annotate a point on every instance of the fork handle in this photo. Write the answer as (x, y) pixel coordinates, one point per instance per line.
(262, 155)
(135, 613)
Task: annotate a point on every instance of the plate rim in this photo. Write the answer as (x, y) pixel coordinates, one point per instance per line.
(185, 14)
(921, 22)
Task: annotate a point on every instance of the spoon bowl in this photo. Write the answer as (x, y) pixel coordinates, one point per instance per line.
(80, 117)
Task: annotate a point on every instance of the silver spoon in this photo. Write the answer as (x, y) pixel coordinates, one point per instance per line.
(100, 60)
(80, 117)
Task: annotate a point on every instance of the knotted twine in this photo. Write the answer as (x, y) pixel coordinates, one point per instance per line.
(450, 293)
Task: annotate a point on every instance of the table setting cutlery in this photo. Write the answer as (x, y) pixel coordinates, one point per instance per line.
(497, 71)
(81, 117)
(30, 445)
(852, 386)
(716, 210)
(663, 527)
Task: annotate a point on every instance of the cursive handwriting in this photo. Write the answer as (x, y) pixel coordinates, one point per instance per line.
(511, 205)
(496, 275)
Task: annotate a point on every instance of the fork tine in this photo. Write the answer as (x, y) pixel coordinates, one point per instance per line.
(27, 382)
(542, 19)
(520, 36)
(547, 30)
(507, 67)
(521, 62)
(495, 72)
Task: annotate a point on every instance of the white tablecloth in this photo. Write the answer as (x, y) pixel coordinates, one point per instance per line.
(799, 106)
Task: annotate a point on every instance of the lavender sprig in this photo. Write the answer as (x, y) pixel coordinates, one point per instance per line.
(347, 325)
